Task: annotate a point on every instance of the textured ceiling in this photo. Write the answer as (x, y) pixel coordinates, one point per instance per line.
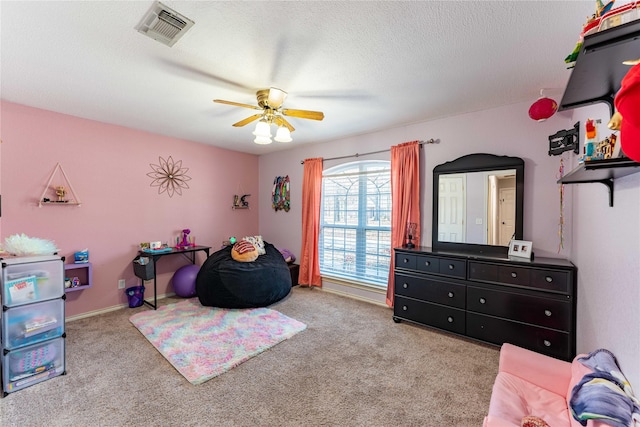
(367, 65)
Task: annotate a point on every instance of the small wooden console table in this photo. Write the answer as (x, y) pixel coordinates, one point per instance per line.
(189, 253)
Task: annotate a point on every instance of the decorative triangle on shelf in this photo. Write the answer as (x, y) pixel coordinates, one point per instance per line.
(60, 191)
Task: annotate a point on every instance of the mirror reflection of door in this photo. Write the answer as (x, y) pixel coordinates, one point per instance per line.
(451, 206)
(502, 199)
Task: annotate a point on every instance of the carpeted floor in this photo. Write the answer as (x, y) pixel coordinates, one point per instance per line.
(352, 366)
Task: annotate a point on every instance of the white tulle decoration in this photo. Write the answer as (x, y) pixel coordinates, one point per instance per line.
(21, 244)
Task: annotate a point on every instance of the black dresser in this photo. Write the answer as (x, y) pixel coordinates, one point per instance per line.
(531, 304)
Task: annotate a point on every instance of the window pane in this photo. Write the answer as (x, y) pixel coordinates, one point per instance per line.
(355, 234)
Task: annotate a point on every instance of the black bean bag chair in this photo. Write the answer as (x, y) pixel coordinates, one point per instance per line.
(227, 283)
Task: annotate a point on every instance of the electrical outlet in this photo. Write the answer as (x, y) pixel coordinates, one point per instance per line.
(121, 284)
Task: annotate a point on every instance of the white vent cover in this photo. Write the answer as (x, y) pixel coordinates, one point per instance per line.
(164, 24)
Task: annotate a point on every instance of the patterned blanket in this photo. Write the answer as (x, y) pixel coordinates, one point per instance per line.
(605, 394)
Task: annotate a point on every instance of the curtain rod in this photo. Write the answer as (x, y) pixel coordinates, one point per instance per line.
(421, 143)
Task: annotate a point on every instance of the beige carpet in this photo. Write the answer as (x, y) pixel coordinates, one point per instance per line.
(352, 366)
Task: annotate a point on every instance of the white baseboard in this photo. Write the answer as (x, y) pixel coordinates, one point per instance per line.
(362, 293)
(108, 309)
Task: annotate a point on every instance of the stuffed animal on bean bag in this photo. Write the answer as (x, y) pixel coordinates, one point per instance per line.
(244, 251)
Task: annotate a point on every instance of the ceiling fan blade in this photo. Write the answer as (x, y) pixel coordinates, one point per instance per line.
(237, 104)
(193, 72)
(247, 120)
(280, 121)
(304, 114)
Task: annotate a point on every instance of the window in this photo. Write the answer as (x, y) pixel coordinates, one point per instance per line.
(355, 227)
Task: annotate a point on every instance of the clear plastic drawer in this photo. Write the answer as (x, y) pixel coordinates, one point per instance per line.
(31, 279)
(30, 365)
(33, 323)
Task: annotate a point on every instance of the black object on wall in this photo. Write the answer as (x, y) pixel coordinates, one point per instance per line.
(565, 140)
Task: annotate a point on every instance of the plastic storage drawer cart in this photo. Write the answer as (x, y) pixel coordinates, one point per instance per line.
(32, 327)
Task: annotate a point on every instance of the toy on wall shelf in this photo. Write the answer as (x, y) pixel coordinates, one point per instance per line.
(81, 257)
(590, 141)
(62, 192)
(591, 26)
(606, 148)
(240, 202)
(595, 149)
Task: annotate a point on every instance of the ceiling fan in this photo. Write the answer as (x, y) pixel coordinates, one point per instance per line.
(270, 102)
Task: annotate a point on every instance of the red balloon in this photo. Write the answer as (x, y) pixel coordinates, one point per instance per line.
(542, 109)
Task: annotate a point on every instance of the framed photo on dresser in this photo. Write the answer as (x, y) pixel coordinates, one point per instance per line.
(520, 249)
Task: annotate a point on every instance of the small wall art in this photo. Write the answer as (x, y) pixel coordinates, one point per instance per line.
(169, 176)
(280, 194)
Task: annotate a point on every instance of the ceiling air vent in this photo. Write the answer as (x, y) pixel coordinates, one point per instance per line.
(164, 24)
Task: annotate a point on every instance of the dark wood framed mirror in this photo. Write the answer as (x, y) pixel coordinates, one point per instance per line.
(478, 204)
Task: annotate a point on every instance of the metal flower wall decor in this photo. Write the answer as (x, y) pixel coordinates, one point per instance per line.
(169, 176)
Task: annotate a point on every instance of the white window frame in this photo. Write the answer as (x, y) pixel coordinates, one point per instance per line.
(362, 260)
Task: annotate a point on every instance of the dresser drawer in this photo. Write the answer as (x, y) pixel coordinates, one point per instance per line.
(430, 290)
(499, 273)
(439, 316)
(453, 267)
(536, 278)
(498, 331)
(405, 261)
(547, 312)
(552, 280)
(512, 275)
(428, 264)
(483, 272)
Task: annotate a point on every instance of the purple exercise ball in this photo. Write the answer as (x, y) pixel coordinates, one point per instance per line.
(184, 280)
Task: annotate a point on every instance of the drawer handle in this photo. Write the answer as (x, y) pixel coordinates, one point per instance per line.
(451, 267)
(450, 294)
(405, 260)
(549, 279)
(405, 308)
(547, 343)
(427, 263)
(483, 301)
(450, 319)
(514, 274)
(405, 285)
(547, 313)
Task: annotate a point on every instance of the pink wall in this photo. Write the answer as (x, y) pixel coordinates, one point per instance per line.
(506, 130)
(603, 242)
(607, 252)
(107, 166)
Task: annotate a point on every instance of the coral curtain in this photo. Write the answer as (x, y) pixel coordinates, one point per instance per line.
(405, 199)
(311, 192)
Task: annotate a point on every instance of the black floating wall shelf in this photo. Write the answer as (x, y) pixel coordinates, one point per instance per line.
(602, 171)
(599, 68)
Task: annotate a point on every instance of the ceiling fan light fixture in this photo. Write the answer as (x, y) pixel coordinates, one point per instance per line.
(283, 134)
(276, 97)
(262, 140)
(263, 130)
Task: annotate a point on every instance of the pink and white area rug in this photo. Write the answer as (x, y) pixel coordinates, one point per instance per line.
(204, 342)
